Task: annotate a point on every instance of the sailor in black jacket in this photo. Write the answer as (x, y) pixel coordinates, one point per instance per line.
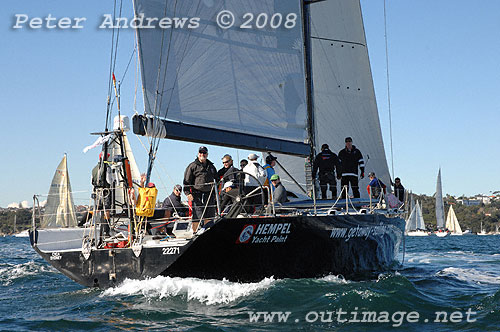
(198, 184)
(326, 162)
(350, 159)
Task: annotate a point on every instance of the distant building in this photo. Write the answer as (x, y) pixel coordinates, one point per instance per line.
(469, 202)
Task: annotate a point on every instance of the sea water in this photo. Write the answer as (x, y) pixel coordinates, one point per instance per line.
(445, 284)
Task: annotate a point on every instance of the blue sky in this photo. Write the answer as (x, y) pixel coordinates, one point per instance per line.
(445, 93)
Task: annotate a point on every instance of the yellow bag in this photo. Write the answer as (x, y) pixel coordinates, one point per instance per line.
(146, 202)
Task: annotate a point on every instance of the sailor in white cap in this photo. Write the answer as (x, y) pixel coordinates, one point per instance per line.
(256, 176)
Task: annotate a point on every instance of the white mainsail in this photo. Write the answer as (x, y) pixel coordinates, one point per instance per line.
(416, 220)
(59, 209)
(249, 81)
(452, 222)
(439, 202)
(415, 225)
(343, 93)
(253, 81)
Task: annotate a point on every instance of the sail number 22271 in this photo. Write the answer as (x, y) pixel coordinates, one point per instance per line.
(170, 251)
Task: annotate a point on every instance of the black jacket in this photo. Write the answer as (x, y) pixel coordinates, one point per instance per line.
(350, 161)
(232, 175)
(173, 203)
(326, 161)
(199, 177)
(399, 192)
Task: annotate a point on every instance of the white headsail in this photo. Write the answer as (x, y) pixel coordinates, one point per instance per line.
(452, 222)
(59, 209)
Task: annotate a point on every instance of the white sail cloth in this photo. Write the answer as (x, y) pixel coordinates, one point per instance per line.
(59, 209)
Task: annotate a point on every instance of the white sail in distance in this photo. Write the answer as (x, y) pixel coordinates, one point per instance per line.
(59, 209)
(439, 202)
(416, 220)
(344, 103)
(452, 222)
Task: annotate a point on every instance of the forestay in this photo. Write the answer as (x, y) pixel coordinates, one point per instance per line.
(245, 81)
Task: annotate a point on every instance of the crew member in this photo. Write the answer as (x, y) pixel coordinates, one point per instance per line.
(326, 162)
(198, 186)
(375, 186)
(279, 194)
(399, 190)
(350, 159)
(173, 203)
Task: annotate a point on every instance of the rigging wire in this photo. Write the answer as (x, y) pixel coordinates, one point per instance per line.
(388, 85)
(112, 64)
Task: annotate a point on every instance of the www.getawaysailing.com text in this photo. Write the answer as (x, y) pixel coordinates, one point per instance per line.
(396, 318)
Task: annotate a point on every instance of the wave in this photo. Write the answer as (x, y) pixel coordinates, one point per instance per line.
(470, 275)
(337, 279)
(12, 272)
(205, 291)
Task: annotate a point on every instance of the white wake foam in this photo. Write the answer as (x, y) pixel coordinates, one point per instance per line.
(204, 291)
(470, 275)
(11, 272)
(339, 279)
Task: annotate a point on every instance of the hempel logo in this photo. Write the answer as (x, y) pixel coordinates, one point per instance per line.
(264, 233)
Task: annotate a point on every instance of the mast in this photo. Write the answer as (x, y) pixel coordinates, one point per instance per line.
(309, 81)
(309, 90)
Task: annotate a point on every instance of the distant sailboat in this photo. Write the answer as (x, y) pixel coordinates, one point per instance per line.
(483, 231)
(441, 232)
(452, 223)
(24, 233)
(59, 210)
(415, 225)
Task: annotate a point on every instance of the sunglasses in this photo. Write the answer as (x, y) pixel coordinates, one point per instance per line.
(226, 162)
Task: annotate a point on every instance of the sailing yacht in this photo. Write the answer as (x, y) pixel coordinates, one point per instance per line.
(415, 225)
(483, 231)
(452, 223)
(441, 231)
(282, 91)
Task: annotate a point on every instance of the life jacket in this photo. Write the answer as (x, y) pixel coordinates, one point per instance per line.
(146, 202)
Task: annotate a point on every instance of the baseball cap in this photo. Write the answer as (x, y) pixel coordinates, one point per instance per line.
(275, 177)
(270, 158)
(324, 146)
(348, 139)
(252, 156)
(203, 149)
(178, 187)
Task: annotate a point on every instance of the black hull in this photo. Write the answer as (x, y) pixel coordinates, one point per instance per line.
(308, 249)
(250, 249)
